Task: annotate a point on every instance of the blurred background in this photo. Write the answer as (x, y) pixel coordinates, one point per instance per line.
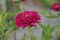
(14, 8)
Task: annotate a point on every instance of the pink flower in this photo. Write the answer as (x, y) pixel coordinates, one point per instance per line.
(55, 7)
(27, 18)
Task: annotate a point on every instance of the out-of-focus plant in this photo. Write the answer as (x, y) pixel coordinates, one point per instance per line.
(58, 1)
(13, 7)
(47, 30)
(58, 34)
(6, 26)
(46, 3)
(55, 7)
(27, 19)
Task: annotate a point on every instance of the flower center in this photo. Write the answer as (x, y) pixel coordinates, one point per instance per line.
(27, 15)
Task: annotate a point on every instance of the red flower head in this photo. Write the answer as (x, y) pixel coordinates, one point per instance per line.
(55, 7)
(27, 18)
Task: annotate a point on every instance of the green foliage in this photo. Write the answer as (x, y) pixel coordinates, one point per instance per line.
(54, 27)
(58, 1)
(0, 18)
(58, 15)
(47, 31)
(44, 27)
(47, 14)
(5, 26)
(45, 37)
(0, 34)
(12, 24)
(16, 0)
(24, 37)
(13, 7)
(58, 34)
(47, 3)
(31, 34)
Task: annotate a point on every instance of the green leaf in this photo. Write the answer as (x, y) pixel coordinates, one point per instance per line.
(58, 34)
(53, 16)
(58, 14)
(45, 12)
(49, 15)
(31, 34)
(58, 1)
(32, 29)
(16, 0)
(1, 18)
(47, 3)
(44, 27)
(7, 37)
(42, 12)
(0, 34)
(3, 24)
(9, 30)
(24, 37)
(33, 37)
(12, 24)
(2, 27)
(55, 27)
(48, 31)
(5, 16)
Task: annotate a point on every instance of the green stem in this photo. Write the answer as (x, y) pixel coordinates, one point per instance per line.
(3, 36)
(29, 30)
(31, 34)
(47, 36)
(14, 15)
(24, 37)
(49, 18)
(21, 8)
(15, 35)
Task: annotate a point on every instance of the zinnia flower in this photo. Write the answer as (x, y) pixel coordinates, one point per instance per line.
(55, 7)
(27, 18)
